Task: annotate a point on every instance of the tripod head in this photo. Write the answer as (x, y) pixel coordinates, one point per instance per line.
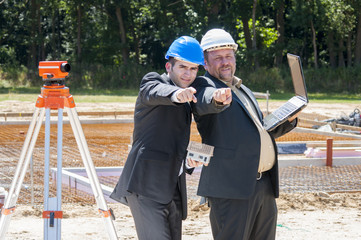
(54, 72)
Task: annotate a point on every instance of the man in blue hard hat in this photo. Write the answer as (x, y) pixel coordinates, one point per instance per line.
(152, 183)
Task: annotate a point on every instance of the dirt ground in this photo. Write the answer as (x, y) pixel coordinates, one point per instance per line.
(315, 216)
(313, 110)
(301, 215)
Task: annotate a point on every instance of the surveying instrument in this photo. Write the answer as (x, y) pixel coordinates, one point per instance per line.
(54, 96)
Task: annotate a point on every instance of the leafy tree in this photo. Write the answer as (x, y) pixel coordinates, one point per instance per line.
(111, 44)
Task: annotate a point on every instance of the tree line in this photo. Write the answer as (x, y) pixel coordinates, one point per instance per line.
(112, 43)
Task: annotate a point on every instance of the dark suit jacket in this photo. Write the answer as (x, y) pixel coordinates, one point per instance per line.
(160, 139)
(232, 171)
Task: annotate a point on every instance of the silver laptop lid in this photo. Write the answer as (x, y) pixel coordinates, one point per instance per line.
(297, 75)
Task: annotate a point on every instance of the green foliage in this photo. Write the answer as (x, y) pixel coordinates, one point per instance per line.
(112, 44)
(265, 30)
(265, 79)
(323, 80)
(340, 16)
(13, 76)
(339, 80)
(8, 56)
(100, 79)
(97, 76)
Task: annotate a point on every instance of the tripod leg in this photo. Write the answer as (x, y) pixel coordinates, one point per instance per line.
(52, 206)
(90, 169)
(26, 152)
(59, 167)
(46, 170)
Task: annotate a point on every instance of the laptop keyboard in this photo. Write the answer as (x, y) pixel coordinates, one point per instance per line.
(290, 106)
(282, 112)
(287, 108)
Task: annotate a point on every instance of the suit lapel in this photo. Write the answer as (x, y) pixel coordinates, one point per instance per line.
(235, 97)
(253, 99)
(246, 91)
(167, 79)
(187, 106)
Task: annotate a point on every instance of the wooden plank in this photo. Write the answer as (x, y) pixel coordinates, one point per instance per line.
(351, 143)
(262, 95)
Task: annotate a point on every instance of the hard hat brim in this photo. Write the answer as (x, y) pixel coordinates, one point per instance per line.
(219, 47)
(182, 60)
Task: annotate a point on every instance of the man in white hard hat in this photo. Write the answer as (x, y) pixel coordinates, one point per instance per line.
(153, 182)
(241, 180)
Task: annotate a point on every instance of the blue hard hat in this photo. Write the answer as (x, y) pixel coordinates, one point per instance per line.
(186, 49)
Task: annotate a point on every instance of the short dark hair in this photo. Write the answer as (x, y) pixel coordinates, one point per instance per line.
(172, 60)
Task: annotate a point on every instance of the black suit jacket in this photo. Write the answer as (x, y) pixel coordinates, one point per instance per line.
(160, 139)
(232, 171)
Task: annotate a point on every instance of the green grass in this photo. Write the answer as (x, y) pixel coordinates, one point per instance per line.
(31, 94)
(321, 97)
(130, 95)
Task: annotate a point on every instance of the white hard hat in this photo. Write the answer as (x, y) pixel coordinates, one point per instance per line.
(216, 39)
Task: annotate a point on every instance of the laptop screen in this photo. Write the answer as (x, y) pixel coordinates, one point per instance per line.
(297, 75)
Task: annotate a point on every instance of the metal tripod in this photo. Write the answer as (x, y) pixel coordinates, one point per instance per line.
(54, 97)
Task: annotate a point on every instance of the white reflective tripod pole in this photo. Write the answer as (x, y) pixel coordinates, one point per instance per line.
(90, 170)
(25, 155)
(52, 206)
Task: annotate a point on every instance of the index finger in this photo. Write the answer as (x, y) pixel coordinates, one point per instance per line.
(194, 99)
(193, 90)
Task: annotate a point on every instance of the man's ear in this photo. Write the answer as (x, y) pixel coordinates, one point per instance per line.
(205, 65)
(168, 67)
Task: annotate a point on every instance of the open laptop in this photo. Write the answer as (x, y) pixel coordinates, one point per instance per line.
(296, 103)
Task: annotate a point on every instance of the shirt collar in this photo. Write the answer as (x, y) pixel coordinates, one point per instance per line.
(237, 82)
(169, 79)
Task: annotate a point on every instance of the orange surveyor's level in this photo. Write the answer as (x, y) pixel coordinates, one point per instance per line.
(55, 97)
(53, 69)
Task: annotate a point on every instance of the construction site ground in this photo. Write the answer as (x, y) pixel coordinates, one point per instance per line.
(316, 202)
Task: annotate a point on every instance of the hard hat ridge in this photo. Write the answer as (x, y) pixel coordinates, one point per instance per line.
(217, 38)
(187, 49)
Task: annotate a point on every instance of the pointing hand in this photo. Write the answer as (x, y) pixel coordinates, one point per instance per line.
(186, 95)
(223, 96)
